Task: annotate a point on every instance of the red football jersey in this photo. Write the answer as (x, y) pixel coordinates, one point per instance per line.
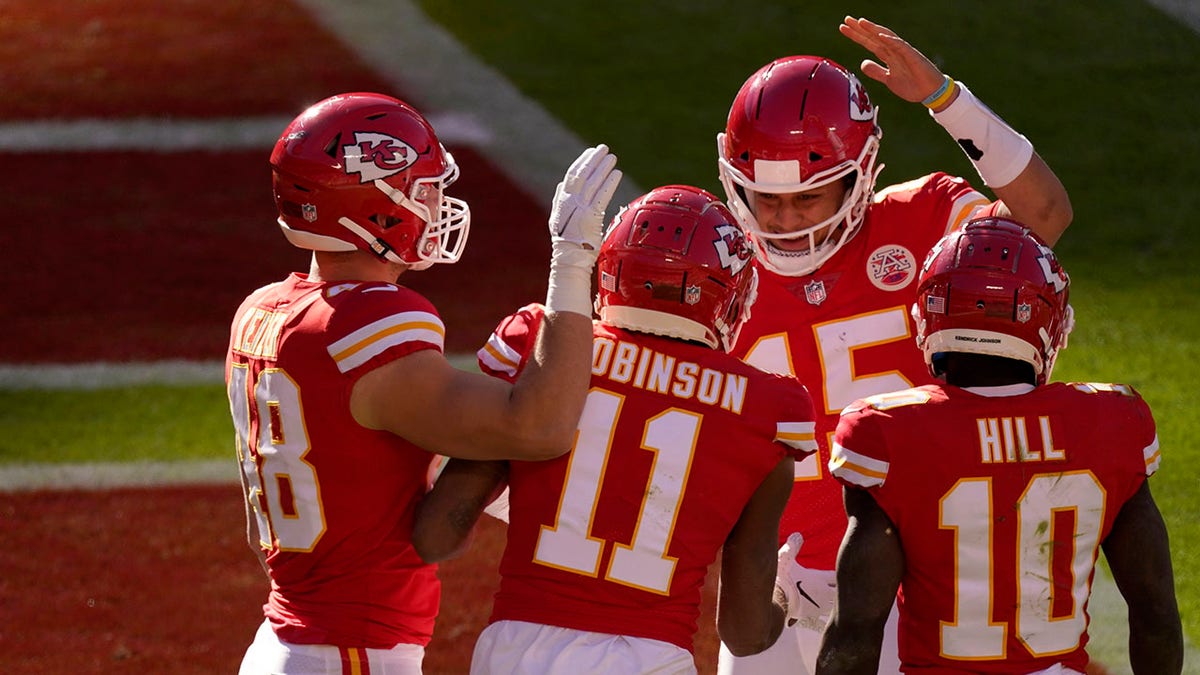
(1001, 503)
(617, 536)
(334, 501)
(846, 332)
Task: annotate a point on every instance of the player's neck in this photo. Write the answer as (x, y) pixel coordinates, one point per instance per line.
(978, 370)
(352, 266)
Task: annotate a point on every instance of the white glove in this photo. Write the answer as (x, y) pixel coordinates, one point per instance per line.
(810, 593)
(576, 228)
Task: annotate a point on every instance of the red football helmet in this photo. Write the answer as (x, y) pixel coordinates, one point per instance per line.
(799, 123)
(674, 262)
(993, 287)
(366, 171)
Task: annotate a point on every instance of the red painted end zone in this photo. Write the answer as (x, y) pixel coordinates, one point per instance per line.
(140, 256)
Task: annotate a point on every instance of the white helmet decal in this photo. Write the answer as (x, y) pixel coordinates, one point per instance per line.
(374, 156)
(732, 260)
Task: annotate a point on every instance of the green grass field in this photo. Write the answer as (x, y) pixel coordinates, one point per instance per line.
(1108, 93)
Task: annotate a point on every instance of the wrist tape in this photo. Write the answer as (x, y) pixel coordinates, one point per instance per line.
(570, 285)
(998, 152)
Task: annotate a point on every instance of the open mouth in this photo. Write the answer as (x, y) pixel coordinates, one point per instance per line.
(792, 246)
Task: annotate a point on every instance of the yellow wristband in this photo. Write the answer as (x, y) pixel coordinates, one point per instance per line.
(943, 94)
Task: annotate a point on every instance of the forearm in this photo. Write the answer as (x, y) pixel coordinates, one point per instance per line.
(1003, 157)
(1138, 552)
(751, 633)
(437, 539)
(1006, 161)
(446, 516)
(1038, 200)
(751, 608)
(548, 398)
(847, 650)
(870, 566)
(253, 539)
(1155, 645)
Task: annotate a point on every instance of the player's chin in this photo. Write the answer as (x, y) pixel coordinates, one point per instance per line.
(797, 245)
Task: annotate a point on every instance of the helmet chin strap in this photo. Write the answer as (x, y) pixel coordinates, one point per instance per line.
(400, 199)
(377, 245)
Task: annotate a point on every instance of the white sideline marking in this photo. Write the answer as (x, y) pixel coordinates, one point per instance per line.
(1186, 12)
(90, 376)
(184, 135)
(398, 41)
(113, 475)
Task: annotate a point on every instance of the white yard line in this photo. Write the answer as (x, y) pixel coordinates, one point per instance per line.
(186, 135)
(91, 376)
(422, 58)
(113, 475)
(107, 375)
(1187, 12)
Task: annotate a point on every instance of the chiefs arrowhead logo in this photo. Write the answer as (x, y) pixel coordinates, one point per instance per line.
(374, 156)
(861, 109)
(732, 248)
(1056, 276)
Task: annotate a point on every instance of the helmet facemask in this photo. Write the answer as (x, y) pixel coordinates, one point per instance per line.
(798, 124)
(824, 238)
(737, 315)
(444, 236)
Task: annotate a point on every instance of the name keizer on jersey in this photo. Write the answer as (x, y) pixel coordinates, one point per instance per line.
(647, 369)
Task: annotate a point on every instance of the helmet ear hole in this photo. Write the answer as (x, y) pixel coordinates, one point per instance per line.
(384, 221)
(331, 148)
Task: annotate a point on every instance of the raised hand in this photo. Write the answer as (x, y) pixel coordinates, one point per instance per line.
(576, 228)
(580, 199)
(901, 67)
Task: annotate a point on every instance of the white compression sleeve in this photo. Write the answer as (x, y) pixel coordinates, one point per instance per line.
(998, 152)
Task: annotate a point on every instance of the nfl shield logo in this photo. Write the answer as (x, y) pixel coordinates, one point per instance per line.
(309, 211)
(814, 292)
(1024, 312)
(691, 295)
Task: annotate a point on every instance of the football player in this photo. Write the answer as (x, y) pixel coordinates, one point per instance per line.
(986, 498)
(340, 392)
(838, 260)
(683, 451)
